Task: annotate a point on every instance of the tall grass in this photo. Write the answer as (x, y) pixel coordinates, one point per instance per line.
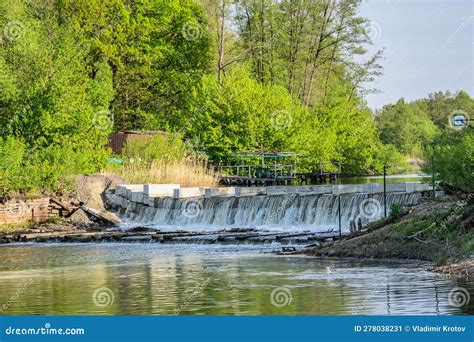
(162, 159)
(186, 172)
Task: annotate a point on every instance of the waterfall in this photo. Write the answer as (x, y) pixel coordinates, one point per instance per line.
(290, 212)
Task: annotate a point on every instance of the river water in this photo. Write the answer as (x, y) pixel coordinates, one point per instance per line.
(154, 279)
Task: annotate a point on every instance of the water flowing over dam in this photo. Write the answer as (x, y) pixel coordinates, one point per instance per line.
(283, 212)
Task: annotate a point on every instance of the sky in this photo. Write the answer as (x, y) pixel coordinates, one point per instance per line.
(429, 46)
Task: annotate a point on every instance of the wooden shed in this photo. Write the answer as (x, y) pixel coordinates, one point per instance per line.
(118, 140)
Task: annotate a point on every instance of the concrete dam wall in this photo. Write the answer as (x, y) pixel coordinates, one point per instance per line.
(280, 208)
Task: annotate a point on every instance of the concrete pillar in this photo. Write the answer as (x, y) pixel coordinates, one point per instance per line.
(160, 189)
(375, 188)
(409, 187)
(187, 192)
(176, 193)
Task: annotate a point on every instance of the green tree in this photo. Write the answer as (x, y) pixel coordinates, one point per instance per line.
(158, 51)
(54, 98)
(452, 158)
(406, 126)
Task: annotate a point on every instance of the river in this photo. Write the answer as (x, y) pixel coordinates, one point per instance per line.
(155, 279)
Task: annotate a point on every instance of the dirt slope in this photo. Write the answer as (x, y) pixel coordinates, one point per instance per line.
(440, 231)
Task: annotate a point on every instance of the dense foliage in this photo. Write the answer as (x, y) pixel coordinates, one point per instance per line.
(228, 75)
(422, 129)
(51, 94)
(451, 156)
(70, 70)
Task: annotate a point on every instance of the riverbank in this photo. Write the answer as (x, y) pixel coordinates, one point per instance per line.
(440, 231)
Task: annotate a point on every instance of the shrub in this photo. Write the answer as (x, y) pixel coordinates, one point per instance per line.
(453, 158)
(395, 210)
(52, 169)
(145, 151)
(162, 159)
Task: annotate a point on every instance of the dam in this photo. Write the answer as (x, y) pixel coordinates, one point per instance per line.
(315, 208)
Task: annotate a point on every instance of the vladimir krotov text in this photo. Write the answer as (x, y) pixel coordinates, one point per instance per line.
(46, 330)
(409, 328)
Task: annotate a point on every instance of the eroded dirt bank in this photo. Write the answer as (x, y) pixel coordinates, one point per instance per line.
(440, 231)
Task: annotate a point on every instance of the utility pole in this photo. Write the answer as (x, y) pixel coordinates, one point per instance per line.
(385, 191)
(339, 213)
(433, 170)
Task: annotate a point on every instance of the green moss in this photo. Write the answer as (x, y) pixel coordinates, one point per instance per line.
(13, 227)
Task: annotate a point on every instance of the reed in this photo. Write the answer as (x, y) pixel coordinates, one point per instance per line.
(186, 172)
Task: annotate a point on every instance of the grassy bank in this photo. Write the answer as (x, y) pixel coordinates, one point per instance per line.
(440, 231)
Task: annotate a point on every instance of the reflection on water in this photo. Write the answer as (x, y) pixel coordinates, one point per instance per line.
(135, 279)
(389, 178)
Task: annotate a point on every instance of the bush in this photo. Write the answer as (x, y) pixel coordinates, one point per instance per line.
(53, 168)
(162, 159)
(145, 150)
(395, 210)
(453, 157)
(11, 156)
(389, 156)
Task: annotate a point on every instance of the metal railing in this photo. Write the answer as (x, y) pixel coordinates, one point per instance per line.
(275, 170)
(254, 171)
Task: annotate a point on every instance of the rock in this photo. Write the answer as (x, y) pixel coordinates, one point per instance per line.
(80, 217)
(90, 189)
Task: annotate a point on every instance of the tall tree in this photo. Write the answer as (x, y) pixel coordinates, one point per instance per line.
(158, 51)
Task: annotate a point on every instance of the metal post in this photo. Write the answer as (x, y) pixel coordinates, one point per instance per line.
(385, 191)
(433, 170)
(339, 213)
